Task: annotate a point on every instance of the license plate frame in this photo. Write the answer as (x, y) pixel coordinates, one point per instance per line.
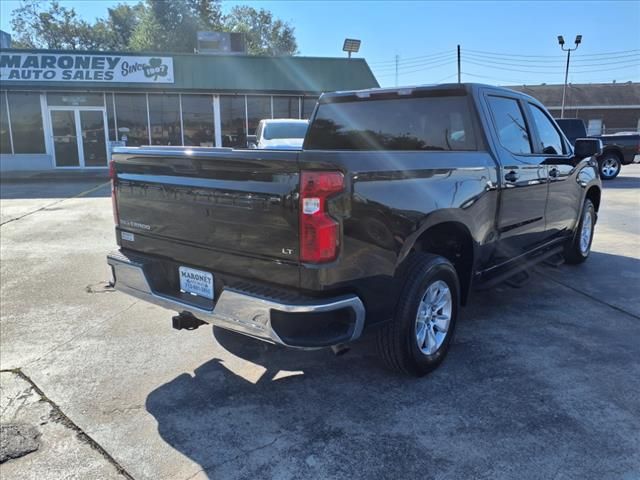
(196, 282)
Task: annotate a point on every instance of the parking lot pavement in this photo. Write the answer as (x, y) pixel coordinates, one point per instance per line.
(541, 382)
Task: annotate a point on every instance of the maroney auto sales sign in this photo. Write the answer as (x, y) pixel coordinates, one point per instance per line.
(85, 68)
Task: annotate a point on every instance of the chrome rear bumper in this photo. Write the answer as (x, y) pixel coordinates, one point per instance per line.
(235, 310)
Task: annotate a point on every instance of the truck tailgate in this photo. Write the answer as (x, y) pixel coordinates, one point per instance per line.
(229, 203)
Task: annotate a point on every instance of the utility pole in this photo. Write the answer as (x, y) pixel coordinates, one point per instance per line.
(459, 64)
(397, 60)
(566, 71)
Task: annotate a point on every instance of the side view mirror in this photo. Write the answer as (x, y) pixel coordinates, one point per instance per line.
(252, 146)
(587, 147)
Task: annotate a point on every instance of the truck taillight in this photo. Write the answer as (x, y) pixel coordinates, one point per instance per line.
(113, 175)
(319, 232)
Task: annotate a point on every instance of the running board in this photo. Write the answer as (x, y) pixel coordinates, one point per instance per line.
(525, 265)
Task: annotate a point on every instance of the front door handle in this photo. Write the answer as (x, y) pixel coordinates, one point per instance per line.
(511, 176)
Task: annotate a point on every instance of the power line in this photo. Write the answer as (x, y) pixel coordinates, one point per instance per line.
(548, 56)
(413, 63)
(628, 57)
(411, 58)
(484, 64)
(520, 82)
(635, 61)
(428, 67)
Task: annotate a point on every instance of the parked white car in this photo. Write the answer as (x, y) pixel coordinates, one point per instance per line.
(280, 134)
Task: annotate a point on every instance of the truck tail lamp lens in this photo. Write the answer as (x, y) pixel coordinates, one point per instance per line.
(319, 232)
(113, 175)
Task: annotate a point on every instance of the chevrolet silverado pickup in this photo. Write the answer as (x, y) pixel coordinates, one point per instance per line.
(617, 149)
(400, 203)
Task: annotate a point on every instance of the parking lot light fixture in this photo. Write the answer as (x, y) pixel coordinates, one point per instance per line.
(351, 45)
(578, 41)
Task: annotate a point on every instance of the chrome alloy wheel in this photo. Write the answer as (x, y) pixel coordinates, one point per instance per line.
(433, 317)
(586, 232)
(610, 167)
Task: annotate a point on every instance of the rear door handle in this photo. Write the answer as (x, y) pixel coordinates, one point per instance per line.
(511, 176)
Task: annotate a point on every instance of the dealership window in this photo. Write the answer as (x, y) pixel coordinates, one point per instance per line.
(258, 108)
(74, 99)
(308, 104)
(233, 121)
(111, 117)
(5, 138)
(286, 107)
(131, 115)
(197, 120)
(164, 115)
(26, 122)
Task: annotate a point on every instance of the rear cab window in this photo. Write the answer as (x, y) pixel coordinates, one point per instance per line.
(427, 123)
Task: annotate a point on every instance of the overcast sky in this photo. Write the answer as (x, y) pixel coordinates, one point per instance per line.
(501, 42)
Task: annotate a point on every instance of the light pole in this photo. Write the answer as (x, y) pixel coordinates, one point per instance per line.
(566, 72)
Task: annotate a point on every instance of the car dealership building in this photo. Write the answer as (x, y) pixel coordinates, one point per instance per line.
(66, 109)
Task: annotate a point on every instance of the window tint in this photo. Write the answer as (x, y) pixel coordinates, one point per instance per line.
(284, 130)
(197, 120)
(550, 139)
(286, 107)
(164, 115)
(75, 99)
(258, 108)
(111, 117)
(5, 140)
(308, 104)
(26, 122)
(431, 123)
(131, 115)
(512, 129)
(232, 119)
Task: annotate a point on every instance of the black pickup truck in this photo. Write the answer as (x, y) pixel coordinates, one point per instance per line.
(400, 202)
(617, 149)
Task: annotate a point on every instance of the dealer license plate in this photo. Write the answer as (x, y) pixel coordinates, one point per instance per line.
(196, 282)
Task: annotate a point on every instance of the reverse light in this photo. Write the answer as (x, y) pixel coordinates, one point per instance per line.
(319, 232)
(113, 175)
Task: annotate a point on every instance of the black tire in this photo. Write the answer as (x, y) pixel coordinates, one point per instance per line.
(576, 251)
(609, 165)
(397, 341)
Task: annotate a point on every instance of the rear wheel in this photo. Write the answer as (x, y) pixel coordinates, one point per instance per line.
(610, 166)
(578, 249)
(418, 337)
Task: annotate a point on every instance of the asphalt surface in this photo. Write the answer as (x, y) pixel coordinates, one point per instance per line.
(542, 382)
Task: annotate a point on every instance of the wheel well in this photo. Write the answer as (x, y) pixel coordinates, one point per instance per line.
(612, 151)
(593, 194)
(452, 241)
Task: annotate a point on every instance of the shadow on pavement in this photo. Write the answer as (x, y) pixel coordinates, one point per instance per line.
(622, 181)
(54, 189)
(521, 390)
(613, 279)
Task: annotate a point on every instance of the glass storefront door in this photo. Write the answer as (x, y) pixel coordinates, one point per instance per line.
(79, 137)
(65, 138)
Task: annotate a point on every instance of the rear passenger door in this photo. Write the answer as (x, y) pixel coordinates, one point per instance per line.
(565, 194)
(522, 179)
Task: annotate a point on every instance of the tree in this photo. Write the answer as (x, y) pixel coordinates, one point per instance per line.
(117, 29)
(54, 27)
(264, 35)
(166, 26)
(152, 25)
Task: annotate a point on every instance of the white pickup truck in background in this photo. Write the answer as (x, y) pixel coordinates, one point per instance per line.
(279, 134)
